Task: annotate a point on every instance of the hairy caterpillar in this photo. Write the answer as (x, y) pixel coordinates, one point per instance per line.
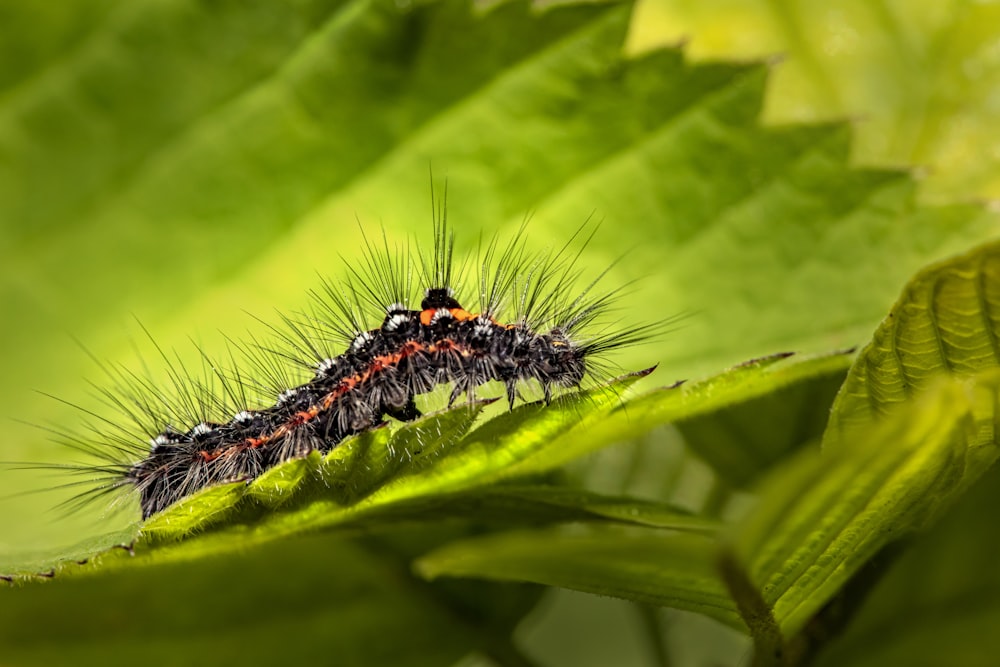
(237, 422)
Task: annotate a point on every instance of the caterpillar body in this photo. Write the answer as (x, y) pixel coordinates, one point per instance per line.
(530, 327)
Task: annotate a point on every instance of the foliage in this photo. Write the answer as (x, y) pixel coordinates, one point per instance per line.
(185, 160)
(918, 77)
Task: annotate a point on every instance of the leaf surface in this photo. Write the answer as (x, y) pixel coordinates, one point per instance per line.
(188, 204)
(858, 60)
(913, 426)
(937, 602)
(821, 518)
(668, 570)
(946, 321)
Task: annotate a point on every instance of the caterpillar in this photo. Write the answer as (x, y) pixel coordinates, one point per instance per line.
(236, 422)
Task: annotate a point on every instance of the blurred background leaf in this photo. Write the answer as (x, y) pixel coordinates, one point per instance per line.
(919, 77)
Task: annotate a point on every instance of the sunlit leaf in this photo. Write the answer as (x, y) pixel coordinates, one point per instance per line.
(819, 520)
(946, 321)
(670, 570)
(919, 75)
(937, 603)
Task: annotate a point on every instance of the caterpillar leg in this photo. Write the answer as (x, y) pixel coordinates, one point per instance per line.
(511, 393)
(406, 413)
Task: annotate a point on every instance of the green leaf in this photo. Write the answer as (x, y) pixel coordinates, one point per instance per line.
(516, 503)
(727, 397)
(858, 60)
(431, 467)
(937, 604)
(744, 439)
(669, 570)
(818, 520)
(389, 473)
(276, 486)
(425, 473)
(637, 578)
(946, 321)
(185, 177)
(902, 443)
(352, 600)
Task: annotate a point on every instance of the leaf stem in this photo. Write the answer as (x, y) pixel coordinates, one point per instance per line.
(650, 616)
(769, 645)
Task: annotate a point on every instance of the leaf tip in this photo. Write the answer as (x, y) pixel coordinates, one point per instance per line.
(765, 360)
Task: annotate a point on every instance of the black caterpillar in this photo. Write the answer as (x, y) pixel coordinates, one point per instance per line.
(412, 352)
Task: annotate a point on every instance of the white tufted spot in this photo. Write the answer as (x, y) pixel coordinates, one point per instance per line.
(201, 429)
(325, 366)
(162, 440)
(441, 314)
(396, 321)
(361, 340)
(243, 417)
